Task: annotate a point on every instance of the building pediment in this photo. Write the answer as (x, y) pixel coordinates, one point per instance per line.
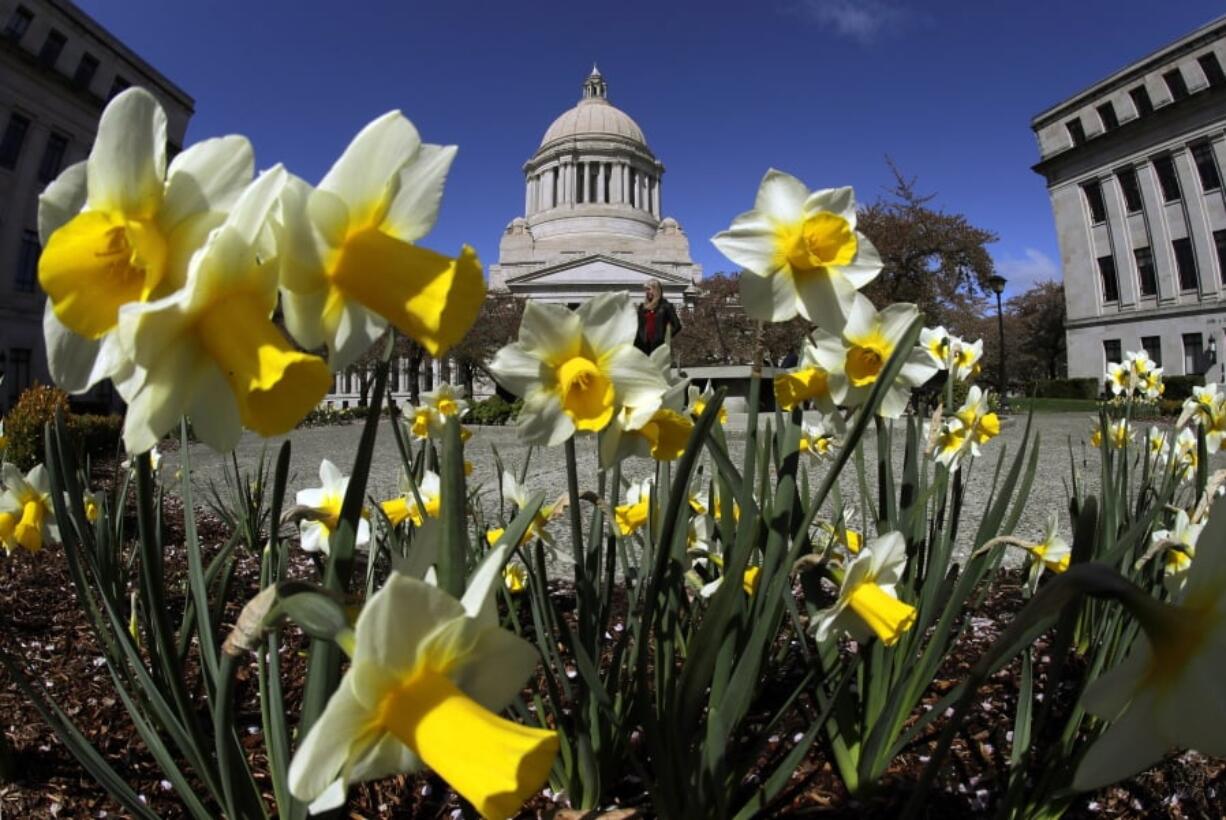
(599, 270)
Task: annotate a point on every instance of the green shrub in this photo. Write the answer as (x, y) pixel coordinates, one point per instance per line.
(95, 436)
(1179, 388)
(494, 411)
(327, 416)
(24, 425)
(1066, 389)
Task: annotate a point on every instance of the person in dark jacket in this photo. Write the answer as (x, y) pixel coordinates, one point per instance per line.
(657, 318)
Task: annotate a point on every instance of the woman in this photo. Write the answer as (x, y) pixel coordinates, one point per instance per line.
(657, 319)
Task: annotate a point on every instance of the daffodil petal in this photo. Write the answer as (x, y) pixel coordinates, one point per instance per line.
(517, 370)
(387, 639)
(769, 298)
(214, 412)
(128, 161)
(164, 395)
(1129, 745)
(208, 176)
(502, 661)
(750, 242)
(365, 174)
(321, 757)
(61, 200)
(866, 266)
(838, 201)
(414, 209)
(608, 321)
(550, 332)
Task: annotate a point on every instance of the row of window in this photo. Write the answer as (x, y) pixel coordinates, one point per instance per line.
(19, 23)
(16, 371)
(1195, 360)
(1168, 181)
(1175, 84)
(14, 140)
(1147, 278)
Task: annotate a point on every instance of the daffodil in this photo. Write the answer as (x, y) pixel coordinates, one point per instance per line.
(965, 358)
(697, 402)
(935, 341)
(1052, 553)
(800, 251)
(427, 678)
(632, 515)
(211, 351)
(663, 437)
(326, 500)
(981, 423)
(428, 418)
(855, 357)
(1119, 433)
(121, 228)
(577, 369)
(405, 506)
(951, 442)
(817, 440)
(1119, 378)
(1156, 445)
(808, 381)
(1179, 543)
(868, 603)
(517, 495)
(27, 518)
(515, 578)
(1167, 693)
(350, 263)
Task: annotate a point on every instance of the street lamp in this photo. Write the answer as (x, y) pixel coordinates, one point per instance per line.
(997, 283)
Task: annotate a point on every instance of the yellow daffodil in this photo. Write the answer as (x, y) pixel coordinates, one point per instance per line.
(351, 265)
(427, 678)
(576, 370)
(697, 404)
(1119, 378)
(935, 341)
(817, 440)
(808, 381)
(121, 228)
(867, 604)
(632, 515)
(405, 505)
(965, 358)
(1052, 553)
(855, 358)
(515, 577)
(326, 500)
(663, 437)
(27, 517)
(1180, 545)
(211, 350)
(800, 251)
(952, 441)
(1119, 434)
(517, 495)
(1167, 692)
(981, 423)
(428, 418)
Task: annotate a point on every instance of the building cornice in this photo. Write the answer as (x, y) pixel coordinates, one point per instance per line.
(1170, 312)
(548, 270)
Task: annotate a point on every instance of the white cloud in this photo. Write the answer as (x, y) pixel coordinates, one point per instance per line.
(1023, 272)
(861, 20)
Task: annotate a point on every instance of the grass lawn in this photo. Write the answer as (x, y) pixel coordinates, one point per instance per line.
(1022, 405)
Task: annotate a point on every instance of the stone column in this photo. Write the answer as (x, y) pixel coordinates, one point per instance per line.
(655, 202)
(528, 196)
(627, 195)
(600, 183)
(554, 184)
(615, 183)
(584, 189)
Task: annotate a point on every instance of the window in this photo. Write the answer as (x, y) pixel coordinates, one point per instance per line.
(1219, 242)
(1106, 113)
(118, 86)
(14, 138)
(1206, 166)
(1140, 99)
(1145, 271)
(86, 69)
(1152, 345)
(1113, 351)
(18, 23)
(1185, 264)
(1165, 166)
(27, 262)
(1131, 188)
(1175, 84)
(1076, 133)
(53, 157)
(1111, 285)
(53, 46)
(1212, 68)
(1193, 354)
(18, 371)
(1094, 198)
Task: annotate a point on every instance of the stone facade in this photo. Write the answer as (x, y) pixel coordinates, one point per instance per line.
(57, 70)
(1134, 170)
(592, 213)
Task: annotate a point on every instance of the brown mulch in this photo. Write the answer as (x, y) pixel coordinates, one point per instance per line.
(42, 625)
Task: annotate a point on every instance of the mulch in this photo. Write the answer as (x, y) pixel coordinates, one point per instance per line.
(42, 625)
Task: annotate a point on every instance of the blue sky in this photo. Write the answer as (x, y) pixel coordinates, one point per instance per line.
(824, 89)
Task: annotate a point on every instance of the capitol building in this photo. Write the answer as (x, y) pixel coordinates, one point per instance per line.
(593, 215)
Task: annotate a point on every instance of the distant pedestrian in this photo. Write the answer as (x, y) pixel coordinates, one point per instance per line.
(657, 318)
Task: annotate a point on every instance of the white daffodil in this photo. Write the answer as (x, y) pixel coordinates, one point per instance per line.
(326, 500)
(855, 358)
(817, 439)
(350, 263)
(965, 358)
(951, 442)
(1168, 692)
(1119, 378)
(1119, 433)
(808, 381)
(211, 350)
(1180, 546)
(576, 369)
(1052, 553)
(935, 341)
(427, 419)
(633, 514)
(427, 678)
(1156, 445)
(517, 495)
(697, 402)
(867, 604)
(27, 517)
(663, 437)
(801, 252)
(155, 461)
(121, 228)
(981, 423)
(405, 506)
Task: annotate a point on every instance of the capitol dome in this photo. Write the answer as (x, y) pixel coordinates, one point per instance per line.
(594, 117)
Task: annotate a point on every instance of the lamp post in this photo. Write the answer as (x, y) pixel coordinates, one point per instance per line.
(997, 283)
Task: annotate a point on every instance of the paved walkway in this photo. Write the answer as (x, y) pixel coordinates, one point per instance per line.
(547, 466)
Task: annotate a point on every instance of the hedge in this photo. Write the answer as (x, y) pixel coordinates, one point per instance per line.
(1086, 388)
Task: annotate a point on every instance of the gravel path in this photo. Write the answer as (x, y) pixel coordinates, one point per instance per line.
(547, 467)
